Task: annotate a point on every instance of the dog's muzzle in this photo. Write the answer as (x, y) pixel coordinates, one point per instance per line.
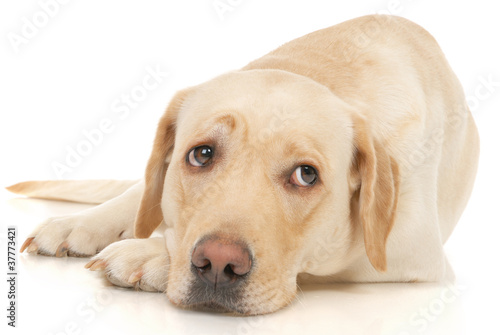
(221, 266)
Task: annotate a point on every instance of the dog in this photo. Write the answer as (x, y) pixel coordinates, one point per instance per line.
(346, 155)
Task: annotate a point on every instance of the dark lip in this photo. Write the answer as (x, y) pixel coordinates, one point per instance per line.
(211, 307)
(214, 305)
(221, 301)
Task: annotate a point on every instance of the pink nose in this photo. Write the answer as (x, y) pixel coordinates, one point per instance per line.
(221, 262)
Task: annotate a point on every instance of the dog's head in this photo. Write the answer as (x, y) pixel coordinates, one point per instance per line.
(261, 175)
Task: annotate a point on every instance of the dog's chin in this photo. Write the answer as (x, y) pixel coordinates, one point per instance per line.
(212, 307)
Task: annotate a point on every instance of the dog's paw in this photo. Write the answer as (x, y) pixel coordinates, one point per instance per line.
(142, 264)
(72, 235)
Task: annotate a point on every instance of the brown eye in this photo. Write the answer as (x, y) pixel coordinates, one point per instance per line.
(304, 176)
(200, 156)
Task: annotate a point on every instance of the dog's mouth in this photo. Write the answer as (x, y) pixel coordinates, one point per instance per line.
(211, 306)
(218, 300)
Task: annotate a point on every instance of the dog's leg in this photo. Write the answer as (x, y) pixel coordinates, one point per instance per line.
(87, 232)
(138, 263)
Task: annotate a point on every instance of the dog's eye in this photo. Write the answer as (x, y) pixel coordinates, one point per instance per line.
(304, 175)
(200, 156)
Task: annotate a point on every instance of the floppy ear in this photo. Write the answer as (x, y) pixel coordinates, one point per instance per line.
(149, 216)
(378, 192)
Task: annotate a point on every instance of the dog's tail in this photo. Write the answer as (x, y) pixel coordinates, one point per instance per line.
(85, 191)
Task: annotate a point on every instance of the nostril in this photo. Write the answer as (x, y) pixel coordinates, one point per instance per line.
(202, 265)
(229, 271)
(207, 267)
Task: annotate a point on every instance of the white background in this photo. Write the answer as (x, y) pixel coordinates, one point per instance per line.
(72, 72)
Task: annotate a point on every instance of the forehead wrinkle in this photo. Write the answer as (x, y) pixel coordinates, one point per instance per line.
(301, 148)
(214, 129)
(228, 120)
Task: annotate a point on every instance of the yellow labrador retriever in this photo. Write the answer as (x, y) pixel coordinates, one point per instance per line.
(348, 154)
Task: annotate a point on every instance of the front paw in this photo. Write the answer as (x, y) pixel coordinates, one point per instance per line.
(72, 235)
(142, 264)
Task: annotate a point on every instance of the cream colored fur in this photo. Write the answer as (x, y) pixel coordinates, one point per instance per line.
(371, 103)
